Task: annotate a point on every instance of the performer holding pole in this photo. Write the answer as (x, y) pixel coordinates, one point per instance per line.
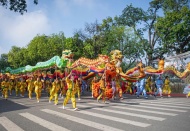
(30, 83)
(38, 88)
(5, 87)
(70, 92)
(167, 86)
(55, 90)
(102, 88)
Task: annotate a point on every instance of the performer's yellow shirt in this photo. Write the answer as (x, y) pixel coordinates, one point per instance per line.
(4, 84)
(102, 84)
(30, 84)
(166, 82)
(56, 87)
(17, 85)
(11, 84)
(38, 85)
(23, 85)
(71, 87)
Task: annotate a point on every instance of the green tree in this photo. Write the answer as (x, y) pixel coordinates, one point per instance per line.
(3, 62)
(122, 38)
(92, 43)
(16, 5)
(42, 48)
(174, 27)
(75, 44)
(15, 57)
(142, 22)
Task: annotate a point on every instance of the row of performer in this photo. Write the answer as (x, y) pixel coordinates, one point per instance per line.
(70, 86)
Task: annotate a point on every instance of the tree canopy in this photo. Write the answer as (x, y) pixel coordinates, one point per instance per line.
(162, 29)
(16, 5)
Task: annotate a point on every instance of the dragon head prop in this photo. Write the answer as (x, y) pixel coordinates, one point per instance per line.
(67, 54)
(116, 57)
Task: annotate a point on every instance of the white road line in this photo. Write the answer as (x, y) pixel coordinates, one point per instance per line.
(169, 103)
(149, 107)
(150, 104)
(163, 100)
(9, 125)
(128, 114)
(130, 122)
(140, 110)
(81, 121)
(44, 123)
(18, 103)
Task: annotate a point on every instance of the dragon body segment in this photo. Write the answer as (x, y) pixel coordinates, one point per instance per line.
(101, 60)
(172, 69)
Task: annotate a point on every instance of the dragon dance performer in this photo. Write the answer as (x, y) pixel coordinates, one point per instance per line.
(38, 88)
(83, 86)
(167, 87)
(118, 88)
(48, 84)
(17, 86)
(11, 86)
(141, 88)
(148, 85)
(78, 86)
(102, 88)
(129, 87)
(92, 85)
(30, 83)
(159, 85)
(23, 87)
(113, 84)
(71, 91)
(63, 88)
(56, 86)
(5, 87)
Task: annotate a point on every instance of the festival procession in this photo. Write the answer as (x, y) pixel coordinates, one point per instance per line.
(102, 76)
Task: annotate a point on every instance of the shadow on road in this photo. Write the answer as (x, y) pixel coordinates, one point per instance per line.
(7, 105)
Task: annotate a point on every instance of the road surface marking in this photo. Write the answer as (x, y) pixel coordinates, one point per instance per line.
(9, 125)
(140, 110)
(81, 121)
(44, 123)
(116, 119)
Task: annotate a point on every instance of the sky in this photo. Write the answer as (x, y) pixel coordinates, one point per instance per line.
(54, 16)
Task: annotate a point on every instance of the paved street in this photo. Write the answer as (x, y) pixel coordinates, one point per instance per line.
(129, 114)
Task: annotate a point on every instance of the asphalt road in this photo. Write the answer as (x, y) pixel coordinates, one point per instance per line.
(129, 114)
